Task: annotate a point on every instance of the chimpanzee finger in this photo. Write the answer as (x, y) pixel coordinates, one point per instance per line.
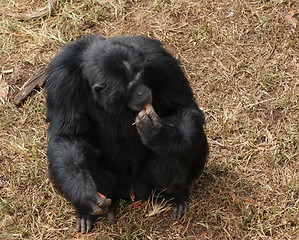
(143, 116)
(149, 108)
(96, 210)
(78, 225)
(140, 117)
(155, 119)
(150, 112)
(83, 224)
(144, 124)
(175, 209)
(101, 201)
(88, 225)
(185, 207)
(180, 209)
(137, 120)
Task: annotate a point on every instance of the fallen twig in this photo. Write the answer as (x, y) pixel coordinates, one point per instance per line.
(41, 12)
(37, 80)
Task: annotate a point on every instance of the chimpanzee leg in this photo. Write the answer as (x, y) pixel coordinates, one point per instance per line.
(168, 176)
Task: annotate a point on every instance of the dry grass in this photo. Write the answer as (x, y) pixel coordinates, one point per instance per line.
(242, 61)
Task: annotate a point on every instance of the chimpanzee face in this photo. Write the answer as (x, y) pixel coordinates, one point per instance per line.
(116, 77)
(136, 94)
(116, 94)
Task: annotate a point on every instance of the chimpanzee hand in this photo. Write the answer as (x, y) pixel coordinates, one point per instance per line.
(155, 133)
(148, 122)
(98, 205)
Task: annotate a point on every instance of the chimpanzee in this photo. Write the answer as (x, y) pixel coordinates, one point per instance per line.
(123, 123)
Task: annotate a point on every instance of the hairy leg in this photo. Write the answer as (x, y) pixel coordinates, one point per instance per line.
(167, 176)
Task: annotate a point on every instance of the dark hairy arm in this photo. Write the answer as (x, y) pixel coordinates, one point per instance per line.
(174, 135)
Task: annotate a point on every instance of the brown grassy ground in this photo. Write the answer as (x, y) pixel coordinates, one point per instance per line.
(242, 61)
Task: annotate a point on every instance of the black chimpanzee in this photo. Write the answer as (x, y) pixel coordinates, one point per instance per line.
(123, 122)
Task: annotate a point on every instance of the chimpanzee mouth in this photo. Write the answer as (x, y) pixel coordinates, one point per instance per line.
(136, 107)
(141, 104)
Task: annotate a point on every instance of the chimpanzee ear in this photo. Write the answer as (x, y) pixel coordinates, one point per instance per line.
(98, 87)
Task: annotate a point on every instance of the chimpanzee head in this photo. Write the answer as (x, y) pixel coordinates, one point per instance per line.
(115, 75)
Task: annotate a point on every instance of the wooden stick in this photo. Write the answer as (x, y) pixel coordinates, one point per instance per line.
(37, 80)
(41, 12)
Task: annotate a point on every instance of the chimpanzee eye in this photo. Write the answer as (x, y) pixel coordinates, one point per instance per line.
(98, 87)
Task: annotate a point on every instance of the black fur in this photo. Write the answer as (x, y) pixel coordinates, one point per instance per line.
(95, 89)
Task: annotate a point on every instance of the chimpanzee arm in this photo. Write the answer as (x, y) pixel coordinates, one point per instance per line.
(69, 170)
(174, 135)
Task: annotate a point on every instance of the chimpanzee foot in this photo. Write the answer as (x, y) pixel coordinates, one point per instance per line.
(179, 209)
(111, 216)
(84, 223)
(98, 204)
